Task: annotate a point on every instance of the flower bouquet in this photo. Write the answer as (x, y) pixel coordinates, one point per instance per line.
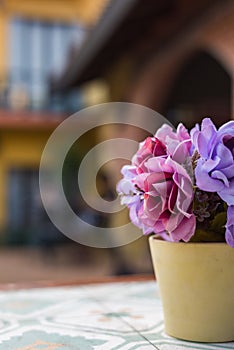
(179, 187)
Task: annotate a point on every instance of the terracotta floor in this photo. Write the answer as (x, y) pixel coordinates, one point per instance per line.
(69, 262)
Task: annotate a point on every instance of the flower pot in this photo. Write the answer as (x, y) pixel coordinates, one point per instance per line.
(196, 283)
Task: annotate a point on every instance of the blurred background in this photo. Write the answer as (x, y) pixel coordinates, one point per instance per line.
(59, 56)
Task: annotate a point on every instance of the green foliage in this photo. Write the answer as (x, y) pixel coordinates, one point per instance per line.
(218, 223)
(211, 216)
(208, 236)
(214, 232)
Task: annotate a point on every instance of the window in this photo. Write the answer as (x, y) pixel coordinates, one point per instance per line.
(24, 198)
(28, 222)
(37, 51)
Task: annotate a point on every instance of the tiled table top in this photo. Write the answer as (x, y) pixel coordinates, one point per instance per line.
(126, 315)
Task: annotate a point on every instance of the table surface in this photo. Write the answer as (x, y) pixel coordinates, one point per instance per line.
(117, 315)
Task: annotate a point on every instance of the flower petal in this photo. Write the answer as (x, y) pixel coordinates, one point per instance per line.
(204, 181)
(227, 193)
(185, 229)
(229, 234)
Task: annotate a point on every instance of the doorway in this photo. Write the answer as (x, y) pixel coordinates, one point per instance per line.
(202, 88)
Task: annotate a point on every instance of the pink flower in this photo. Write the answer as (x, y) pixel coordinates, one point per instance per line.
(168, 195)
(131, 196)
(149, 148)
(178, 144)
(157, 190)
(171, 168)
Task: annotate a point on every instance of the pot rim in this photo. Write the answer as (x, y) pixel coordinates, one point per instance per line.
(155, 239)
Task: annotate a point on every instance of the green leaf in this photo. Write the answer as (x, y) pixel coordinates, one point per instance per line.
(219, 222)
(208, 236)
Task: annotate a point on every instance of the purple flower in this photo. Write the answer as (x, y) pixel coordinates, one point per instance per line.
(158, 185)
(229, 235)
(215, 167)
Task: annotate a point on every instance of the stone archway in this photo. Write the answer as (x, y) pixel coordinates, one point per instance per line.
(209, 42)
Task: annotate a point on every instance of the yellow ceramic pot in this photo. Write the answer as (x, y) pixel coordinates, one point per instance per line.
(196, 283)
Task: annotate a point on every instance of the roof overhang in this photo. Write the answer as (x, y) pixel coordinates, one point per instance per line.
(136, 26)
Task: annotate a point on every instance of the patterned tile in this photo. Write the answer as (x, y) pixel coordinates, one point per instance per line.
(118, 316)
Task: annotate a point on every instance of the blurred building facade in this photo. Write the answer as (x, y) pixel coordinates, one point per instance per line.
(173, 56)
(37, 39)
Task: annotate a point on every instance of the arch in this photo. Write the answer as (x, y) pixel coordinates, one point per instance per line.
(202, 87)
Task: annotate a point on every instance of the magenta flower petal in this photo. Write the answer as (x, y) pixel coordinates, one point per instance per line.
(178, 143)
(166, 202)
(151, 147)
(172, 199)
(181, 151)
(185, 230)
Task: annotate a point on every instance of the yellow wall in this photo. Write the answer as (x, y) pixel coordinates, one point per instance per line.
(18, 149)
(85, 11)
(23, 148)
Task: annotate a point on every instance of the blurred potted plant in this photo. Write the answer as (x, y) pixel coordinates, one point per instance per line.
(179, 187)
